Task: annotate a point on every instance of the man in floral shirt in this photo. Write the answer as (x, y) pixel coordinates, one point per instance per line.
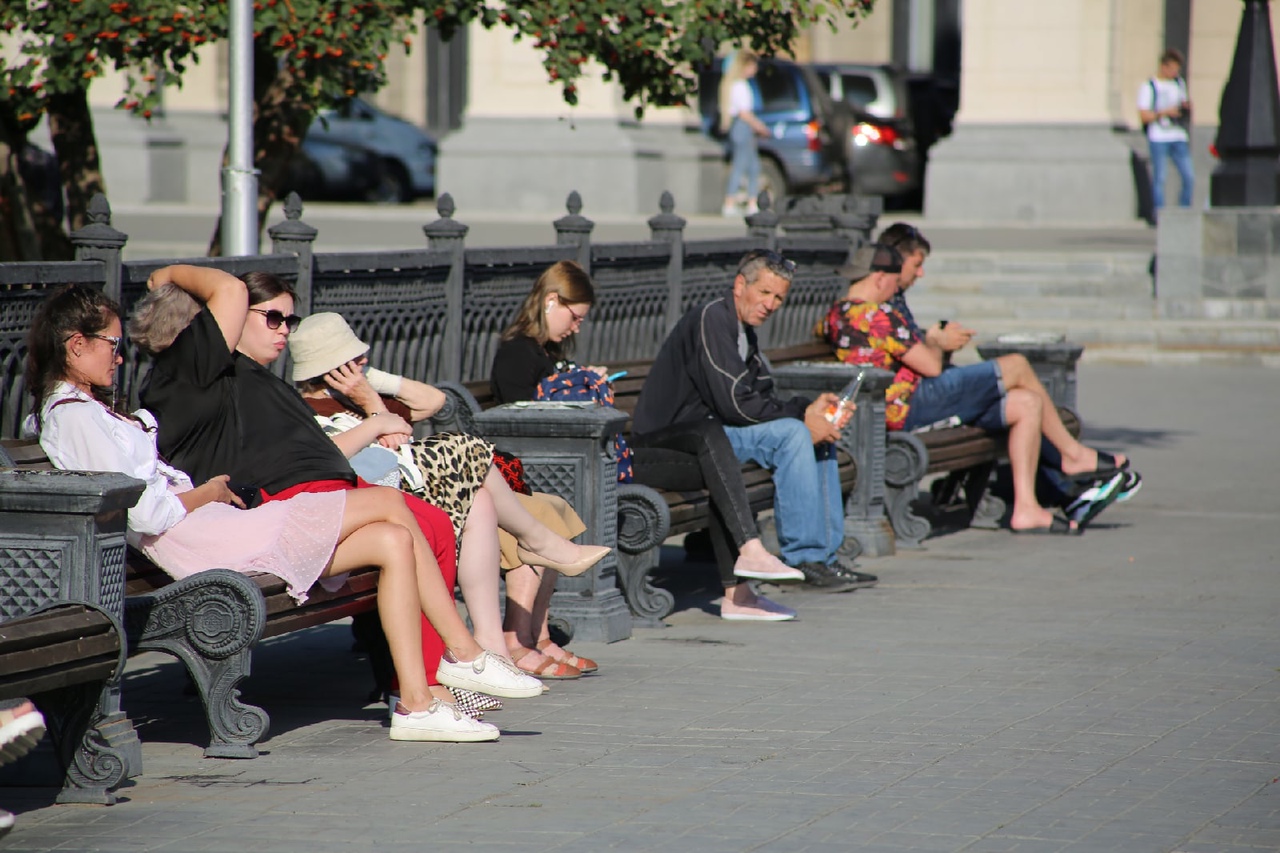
(996, 395)
(873, 333)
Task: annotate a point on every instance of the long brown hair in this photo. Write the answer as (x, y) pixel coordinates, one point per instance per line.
(73, 309)
(567, 281)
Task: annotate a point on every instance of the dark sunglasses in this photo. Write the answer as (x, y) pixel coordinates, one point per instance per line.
(275, 318)
(773, 260)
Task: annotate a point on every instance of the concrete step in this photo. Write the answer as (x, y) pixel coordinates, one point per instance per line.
(1018, 287)
(1081, 265)
(976, 311)
(1165, 336)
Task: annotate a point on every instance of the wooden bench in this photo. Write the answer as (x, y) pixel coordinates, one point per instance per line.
(966, 455)
(211, 621)
(64, 657)
(647, 516)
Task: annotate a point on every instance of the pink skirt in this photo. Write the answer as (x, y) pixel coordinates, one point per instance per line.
(292, 539)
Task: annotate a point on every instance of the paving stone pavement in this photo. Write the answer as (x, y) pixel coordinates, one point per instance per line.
(1117, 691)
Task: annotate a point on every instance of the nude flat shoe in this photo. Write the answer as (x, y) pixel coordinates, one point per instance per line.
(595, 553)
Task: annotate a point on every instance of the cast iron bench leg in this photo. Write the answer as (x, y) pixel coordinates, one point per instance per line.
(905, 464)
(74, 718)
(643, 523)
(210, 622)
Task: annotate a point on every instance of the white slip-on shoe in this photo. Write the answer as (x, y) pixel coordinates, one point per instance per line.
(20, 735)
(488, 674)
(441, 723)
(771, 569)
(760, 610)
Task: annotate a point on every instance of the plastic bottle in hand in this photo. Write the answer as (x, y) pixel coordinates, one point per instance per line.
(847, 397)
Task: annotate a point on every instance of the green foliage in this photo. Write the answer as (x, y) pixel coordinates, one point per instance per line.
(332, 49)
(335, 48)
(651, 48)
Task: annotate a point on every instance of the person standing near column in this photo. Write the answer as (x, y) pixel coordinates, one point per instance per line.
(1165, 110)
(738, 119)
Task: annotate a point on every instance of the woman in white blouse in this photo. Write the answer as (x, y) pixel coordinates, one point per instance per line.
(73, 351)
(738, 120)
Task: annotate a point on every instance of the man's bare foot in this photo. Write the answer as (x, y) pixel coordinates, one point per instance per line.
(1087, 461)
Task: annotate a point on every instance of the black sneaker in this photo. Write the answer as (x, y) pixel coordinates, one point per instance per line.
(823, 578)
(844, 568)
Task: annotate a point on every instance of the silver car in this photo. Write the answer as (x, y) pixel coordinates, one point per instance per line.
(407, 152)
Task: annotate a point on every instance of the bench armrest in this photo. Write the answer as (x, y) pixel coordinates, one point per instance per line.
(62, 537)
(864, 439)
(569, 451)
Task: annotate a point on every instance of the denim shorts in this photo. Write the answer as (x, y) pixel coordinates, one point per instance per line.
(975, 393)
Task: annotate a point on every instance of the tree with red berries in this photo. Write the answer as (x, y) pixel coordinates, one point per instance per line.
(314, 54)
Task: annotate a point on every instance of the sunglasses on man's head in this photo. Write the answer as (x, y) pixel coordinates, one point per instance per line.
(771, 258)
(274, 318)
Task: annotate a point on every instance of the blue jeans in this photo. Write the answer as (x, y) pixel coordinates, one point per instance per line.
(746, 159)
(806, 478)
(974, 392)
(1180, 153)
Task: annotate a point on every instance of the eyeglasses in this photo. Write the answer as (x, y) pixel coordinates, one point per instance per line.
(577, 318)
(114, 341)
(773, 261)
(275, 318)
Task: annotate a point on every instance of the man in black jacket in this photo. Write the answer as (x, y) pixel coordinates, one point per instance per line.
(711, 367)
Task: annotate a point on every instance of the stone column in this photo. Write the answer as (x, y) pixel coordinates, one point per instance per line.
(1033, 140)
(522, 148)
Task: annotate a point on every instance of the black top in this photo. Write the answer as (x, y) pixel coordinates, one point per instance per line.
(518, 366)
(223, 413)
(699, 373)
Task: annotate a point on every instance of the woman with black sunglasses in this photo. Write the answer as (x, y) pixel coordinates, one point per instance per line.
(222, 410)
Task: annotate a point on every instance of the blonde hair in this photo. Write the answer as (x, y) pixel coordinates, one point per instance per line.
(737, 71)
(567, 281)
(160, 316)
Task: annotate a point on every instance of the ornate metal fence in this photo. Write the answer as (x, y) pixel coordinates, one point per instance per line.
(437, 313)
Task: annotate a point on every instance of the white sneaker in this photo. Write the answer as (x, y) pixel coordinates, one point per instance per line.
(730, 211)
(769, 569)
(489, 674)
(441, 723)
(760, 610)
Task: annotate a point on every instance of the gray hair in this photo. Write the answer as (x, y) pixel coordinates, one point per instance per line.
(765, 259)
(160, 316)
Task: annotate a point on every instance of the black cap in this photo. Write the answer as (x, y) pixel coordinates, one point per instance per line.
(876, 257)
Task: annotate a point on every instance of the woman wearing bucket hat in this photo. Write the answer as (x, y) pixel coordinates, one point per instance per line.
(457, 473)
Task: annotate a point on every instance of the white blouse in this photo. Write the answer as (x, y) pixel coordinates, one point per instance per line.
(85, 436)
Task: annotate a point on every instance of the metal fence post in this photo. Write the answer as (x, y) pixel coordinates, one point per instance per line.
(575, 230)
(763, 226)
(669, 228)
(295, 237)
(446, 235)
(98, 241)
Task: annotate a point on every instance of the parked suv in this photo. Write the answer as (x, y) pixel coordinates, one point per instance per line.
(408, 154)
(883, 155)
(805, 149)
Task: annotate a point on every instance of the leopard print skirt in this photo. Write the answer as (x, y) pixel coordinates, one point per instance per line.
(453, 467)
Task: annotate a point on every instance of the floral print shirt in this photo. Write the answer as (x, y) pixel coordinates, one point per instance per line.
(875, 335)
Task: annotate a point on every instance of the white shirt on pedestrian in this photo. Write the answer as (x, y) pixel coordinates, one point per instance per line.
(740, 98)
(1159, 94)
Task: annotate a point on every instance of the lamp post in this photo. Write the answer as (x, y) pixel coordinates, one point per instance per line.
(1248, 143)
(239, 178)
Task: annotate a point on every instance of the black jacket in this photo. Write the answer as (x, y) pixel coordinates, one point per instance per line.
(699, 374)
